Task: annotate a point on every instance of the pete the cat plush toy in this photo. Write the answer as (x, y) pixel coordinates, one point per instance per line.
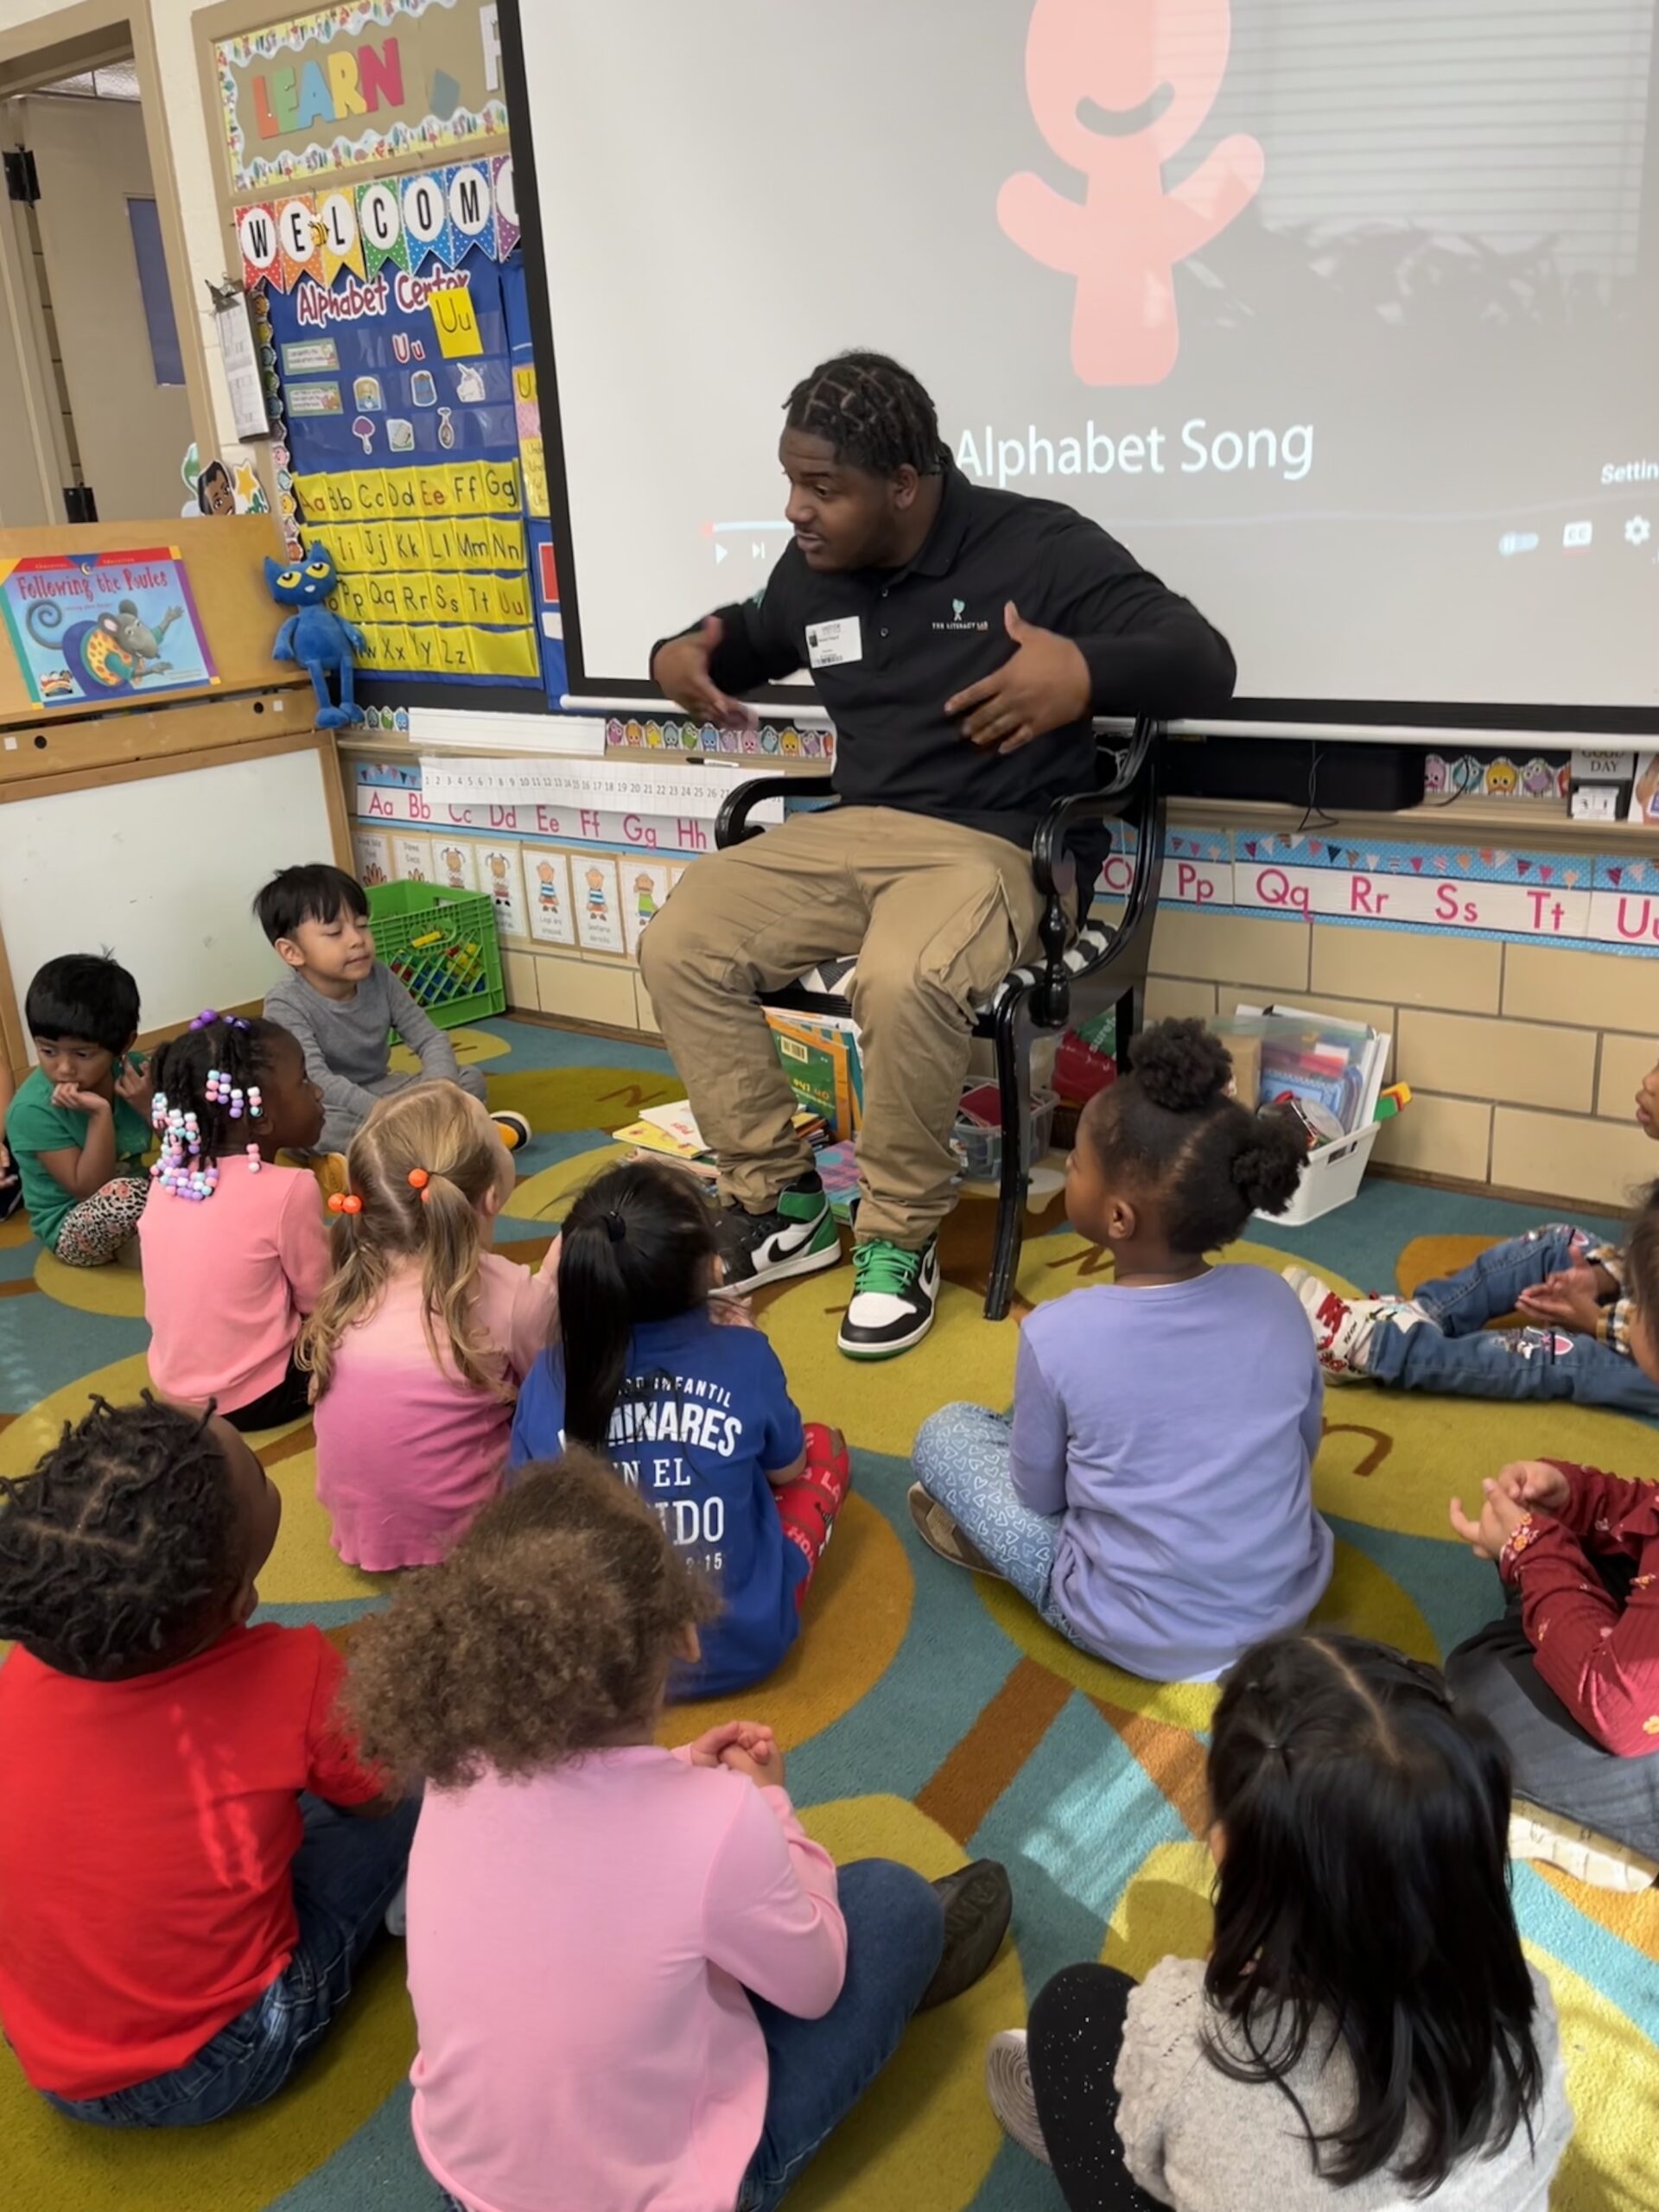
(315, 637)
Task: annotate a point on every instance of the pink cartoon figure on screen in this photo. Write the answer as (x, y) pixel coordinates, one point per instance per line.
(1117, 91)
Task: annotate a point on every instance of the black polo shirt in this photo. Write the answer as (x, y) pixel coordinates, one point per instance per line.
(910, 638)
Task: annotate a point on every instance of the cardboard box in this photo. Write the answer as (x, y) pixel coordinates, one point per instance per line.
(821, 1058)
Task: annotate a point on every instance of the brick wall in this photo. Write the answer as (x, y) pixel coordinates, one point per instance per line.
(1523, 1059)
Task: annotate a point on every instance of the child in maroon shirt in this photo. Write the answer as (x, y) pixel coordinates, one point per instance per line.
(183, 1776)
(1570, 1673)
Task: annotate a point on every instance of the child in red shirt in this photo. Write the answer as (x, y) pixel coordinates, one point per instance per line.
(1570, 1673)
(183, 1892)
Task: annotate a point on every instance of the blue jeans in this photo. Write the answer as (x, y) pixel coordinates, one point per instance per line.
(1461, 1356)
(1556, 1762)
(818, 2069)
(346, 1873)
(961, 1458)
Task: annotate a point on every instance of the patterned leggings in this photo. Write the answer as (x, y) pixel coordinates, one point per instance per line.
(94, 1232)
(808, 1506)
(960, 1459)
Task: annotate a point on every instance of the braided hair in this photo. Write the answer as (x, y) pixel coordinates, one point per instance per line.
(874, 413)
(207, 1098)
(116, 1548)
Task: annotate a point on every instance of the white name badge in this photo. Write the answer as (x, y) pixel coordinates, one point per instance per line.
(830, 644)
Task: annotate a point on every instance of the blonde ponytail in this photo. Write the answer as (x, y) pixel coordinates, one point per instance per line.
(422, 1164)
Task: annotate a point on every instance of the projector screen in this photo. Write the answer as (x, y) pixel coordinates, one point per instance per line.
(1341, 314)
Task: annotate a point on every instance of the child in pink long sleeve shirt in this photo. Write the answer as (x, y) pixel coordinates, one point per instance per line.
(423, 1335)
(637, 1981)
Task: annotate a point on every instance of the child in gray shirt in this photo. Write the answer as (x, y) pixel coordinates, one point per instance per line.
(343, 1004)
(1366, 2031)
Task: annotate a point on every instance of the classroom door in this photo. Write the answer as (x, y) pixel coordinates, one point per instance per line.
(110, 304)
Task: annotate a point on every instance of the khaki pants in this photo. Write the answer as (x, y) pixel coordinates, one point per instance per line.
(937, 915)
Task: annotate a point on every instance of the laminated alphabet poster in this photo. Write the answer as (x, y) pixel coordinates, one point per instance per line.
(599, 918)
(501, 876)
(547, 881)
(104, 626)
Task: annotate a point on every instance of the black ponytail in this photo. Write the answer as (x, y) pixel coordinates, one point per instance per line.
(1172, 1128)
(637, 1246)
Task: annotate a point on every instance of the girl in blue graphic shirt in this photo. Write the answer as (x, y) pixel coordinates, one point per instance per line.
(696, 1416)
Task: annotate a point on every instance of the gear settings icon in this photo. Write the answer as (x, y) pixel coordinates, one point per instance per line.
(1638, 531)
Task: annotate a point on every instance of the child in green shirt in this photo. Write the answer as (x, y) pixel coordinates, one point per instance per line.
(79, 1127)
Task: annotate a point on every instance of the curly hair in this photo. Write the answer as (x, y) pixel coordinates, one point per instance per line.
(120, 1544)
(433, 1130)
(1173, 1128)
(548, 1630)
(874, 413)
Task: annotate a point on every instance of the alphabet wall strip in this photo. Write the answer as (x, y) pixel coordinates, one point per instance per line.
(1455, 888)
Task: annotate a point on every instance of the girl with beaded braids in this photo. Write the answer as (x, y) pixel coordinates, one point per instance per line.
(234, 1250)
(421, 1340)
(1152, 1495)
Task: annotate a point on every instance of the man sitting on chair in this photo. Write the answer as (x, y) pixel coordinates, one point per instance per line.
(959, 638)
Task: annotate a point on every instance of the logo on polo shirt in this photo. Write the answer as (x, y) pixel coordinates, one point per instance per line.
(958, 612)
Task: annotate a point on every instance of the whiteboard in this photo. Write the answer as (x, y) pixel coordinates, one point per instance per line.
(160, 871)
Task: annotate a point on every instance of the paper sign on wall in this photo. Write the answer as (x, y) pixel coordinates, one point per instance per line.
(412, 858)
(371, 854)
(455, 321)
(547, 879)
(598, 896)
(452, 864)
(646, 884)
(501, 875)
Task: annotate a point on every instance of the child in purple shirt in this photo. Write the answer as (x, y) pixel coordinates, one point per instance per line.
(1152, 1495)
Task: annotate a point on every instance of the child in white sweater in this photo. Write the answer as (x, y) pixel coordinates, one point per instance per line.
(1365, 2032)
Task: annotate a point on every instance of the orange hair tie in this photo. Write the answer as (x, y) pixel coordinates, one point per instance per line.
(345, 1202)
(418, 1178)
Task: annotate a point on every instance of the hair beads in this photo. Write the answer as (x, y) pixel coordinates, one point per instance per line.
(221, 1091)
(181, 1168)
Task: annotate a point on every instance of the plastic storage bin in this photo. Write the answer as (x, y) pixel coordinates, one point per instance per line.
(981, 1150)
(1333, 1176)
(441, 947)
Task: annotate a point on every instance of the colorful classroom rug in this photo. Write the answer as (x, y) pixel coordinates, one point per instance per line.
(927, 1714)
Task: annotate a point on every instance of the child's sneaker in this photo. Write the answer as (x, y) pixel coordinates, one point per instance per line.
(1553, 1841)
(1343, 1327)
(1007, 2084)
(515, 1130)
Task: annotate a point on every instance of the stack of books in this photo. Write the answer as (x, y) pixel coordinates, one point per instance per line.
(671, 1132)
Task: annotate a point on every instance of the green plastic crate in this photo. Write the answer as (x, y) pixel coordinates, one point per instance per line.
(441, 946)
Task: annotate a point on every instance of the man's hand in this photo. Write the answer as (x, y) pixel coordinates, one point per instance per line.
(680, 669)
(1569, 1299)
(1500, 1516)
(1044, 684)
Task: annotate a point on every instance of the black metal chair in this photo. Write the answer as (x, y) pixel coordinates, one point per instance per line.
(1104, 966)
